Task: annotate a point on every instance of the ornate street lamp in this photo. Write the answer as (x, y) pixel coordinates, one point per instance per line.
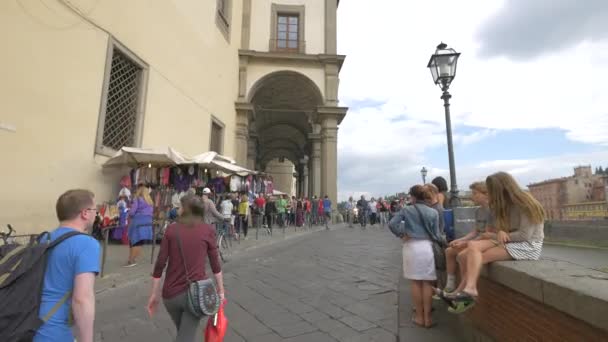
(423, 172)
(443, 69)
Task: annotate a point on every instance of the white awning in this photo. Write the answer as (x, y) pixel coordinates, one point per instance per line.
(231, 168)
(208, 157)
(135, 157)
(167, 156)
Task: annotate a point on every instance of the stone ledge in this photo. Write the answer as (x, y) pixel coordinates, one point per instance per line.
(577, 291)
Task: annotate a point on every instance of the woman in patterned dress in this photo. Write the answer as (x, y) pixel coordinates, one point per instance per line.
(519, 235)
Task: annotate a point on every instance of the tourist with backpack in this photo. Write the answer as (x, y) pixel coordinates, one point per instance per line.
(63, 264)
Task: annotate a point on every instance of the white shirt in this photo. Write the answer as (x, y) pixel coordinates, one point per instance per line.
(372, 207)
(226, 208)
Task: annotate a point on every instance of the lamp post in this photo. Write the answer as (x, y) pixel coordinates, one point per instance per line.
(423, 172)
(443, 69)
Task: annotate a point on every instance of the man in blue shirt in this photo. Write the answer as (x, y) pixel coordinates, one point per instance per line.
(70, 274)
(327, 210)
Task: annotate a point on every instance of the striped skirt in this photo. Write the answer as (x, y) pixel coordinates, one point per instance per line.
(524, 250)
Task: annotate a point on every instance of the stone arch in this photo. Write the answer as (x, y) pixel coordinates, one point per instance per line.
(285, 76)
(284, 105)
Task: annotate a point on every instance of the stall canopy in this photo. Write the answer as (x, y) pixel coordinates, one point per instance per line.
(135, 157)
(208, 157)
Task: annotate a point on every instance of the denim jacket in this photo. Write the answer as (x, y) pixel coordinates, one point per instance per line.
(414, 228)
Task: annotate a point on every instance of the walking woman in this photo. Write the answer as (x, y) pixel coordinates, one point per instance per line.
(198, 244)
(244, 214)
(519, 220)
(300, 213)
(418, 258)
(140, 227)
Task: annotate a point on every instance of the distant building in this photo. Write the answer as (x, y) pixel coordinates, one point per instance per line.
(576, 197)
(552, 195)
(586, 211)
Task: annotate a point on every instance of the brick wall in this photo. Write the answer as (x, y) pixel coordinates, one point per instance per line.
(506, 315)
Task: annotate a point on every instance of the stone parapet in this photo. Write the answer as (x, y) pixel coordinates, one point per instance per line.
(539, 300)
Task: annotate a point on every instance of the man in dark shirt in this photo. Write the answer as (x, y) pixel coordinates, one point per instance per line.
(271, 210)
(363, 207)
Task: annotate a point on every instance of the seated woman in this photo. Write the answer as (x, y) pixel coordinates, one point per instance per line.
(519, 225)
(484, 222)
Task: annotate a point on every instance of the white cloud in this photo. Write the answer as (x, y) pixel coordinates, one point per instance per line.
(388, 44)
(387, 56)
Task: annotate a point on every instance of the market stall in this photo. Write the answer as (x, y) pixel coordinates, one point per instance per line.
(170, 175)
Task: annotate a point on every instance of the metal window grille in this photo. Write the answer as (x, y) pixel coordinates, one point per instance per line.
(122, 104)
(216, 138)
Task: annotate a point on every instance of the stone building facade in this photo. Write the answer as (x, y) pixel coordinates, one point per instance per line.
(254, 80)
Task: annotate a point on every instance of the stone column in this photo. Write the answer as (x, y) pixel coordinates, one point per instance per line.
(331, 37)
(330, 117)
(243, 111)
(329, 157)
(305, 179)
(315, 163)
(252, 151)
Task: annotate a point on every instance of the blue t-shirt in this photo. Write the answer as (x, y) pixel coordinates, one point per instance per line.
(76, 255)
(327, 205)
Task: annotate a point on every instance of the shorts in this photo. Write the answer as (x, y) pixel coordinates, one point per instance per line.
(137, 244)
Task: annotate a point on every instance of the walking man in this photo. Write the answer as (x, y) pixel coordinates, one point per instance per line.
(69, 279)
(327, 211)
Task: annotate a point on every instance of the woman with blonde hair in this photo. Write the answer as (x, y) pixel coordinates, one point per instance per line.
(483, 223)
(519, 220)
(140, 227)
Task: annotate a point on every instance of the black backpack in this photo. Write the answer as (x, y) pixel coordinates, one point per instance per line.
(22, 270)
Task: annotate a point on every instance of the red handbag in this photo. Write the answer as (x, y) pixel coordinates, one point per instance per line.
(217, 326)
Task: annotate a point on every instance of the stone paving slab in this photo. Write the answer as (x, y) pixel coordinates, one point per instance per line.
(323, 286)
(447, 324)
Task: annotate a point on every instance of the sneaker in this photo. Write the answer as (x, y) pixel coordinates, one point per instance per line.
(128, 265)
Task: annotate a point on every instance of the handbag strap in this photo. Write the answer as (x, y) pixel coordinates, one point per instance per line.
(425, 224)
(181, 251)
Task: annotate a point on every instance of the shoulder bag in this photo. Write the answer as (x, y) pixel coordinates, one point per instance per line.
(438, 243)
(203, 299)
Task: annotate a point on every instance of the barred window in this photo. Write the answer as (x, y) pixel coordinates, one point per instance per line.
(122, 115)
(217, 136)
(223, 17)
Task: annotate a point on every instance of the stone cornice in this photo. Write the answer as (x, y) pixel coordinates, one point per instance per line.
(294, 57)
(338, 112)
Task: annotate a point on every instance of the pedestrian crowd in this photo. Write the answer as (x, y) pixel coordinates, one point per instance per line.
(47, 288)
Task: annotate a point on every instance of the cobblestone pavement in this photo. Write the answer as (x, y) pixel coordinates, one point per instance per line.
(337, 285)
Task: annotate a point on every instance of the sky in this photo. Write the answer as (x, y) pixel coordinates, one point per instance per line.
(527, 97)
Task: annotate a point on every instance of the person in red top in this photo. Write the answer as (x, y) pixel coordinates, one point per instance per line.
(321, 212)
(308, 210)
(199, 243)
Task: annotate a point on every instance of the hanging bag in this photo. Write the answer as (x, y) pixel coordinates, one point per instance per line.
(203, 299)
(217, 326)
(438, 243)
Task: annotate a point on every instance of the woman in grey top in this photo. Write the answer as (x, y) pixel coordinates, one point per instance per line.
(519, 225)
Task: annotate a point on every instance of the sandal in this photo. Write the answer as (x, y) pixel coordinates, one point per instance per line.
(463, 296)
(416, 323)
